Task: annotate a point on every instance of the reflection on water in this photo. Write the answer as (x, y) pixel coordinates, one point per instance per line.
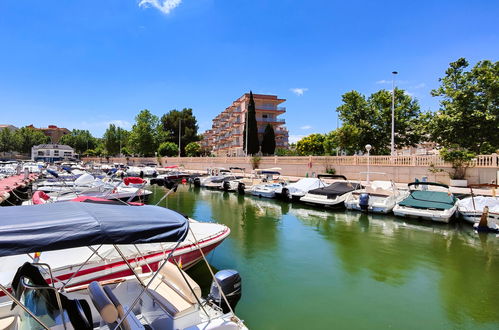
(306, 267)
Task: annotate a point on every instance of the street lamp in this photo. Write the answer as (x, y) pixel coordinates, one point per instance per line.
(368, 148)
(393, 114)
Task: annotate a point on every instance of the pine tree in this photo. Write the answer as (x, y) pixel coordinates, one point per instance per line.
(268, 141)
(251, 126)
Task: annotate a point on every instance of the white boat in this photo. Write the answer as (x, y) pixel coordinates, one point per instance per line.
(267, 190)
(427, 204)
(379, 197)
(258, 177)
(137, 295)
(333, 195)
(481, 211)
(296, 190)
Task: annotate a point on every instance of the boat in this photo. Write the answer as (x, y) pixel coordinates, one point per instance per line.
(232, 183)
(296, 190)
(215, 180)
(378, 197)
(258, 177)
(481, 211)
(333, 195)
(174, 173)
(427, 204)
(162, 297)
(270, 184)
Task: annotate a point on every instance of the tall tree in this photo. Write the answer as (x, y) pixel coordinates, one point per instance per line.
(28, 137)
(268, 140)
(143, 138)
(7, 140)
(469, 108)
(368, 121)
(114, 138)
(80, 140)
(184, 120)
(311, 145)
(253, 144)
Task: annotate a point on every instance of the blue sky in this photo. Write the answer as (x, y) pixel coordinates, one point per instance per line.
(87, 63)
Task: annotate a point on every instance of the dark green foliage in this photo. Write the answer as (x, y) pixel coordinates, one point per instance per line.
(253, 144)
(268, 141)
(459, 158)
(28, 137)
(469, 113)
(7, 140)
(368, 121)
(80, 140)
(112, 138)
(143, 138)
(193, 149)
(188, 126)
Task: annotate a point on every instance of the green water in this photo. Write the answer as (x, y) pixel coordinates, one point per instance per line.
(305, 268)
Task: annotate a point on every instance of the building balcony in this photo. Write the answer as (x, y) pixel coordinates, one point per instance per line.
(272, 120)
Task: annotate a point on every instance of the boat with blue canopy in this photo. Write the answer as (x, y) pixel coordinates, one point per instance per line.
(162, 298)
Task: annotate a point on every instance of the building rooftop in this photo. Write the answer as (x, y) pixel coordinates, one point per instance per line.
(53, 146)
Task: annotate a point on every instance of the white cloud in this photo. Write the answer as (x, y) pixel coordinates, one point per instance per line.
(295, 138)
(306, 127)
(120, 123)
(298, 91)
(421, 85)
(383, 82)
(408, 93)
(165, 6)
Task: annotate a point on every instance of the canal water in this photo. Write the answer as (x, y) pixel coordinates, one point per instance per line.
(306, 268)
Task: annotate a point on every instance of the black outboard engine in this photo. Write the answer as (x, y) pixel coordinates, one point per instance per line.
(226, 185)
(364, 202)
(230, 282)
(240, 188)
(197, 182)
(285, 195)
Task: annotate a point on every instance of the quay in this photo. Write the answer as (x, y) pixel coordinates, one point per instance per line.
(10, 184)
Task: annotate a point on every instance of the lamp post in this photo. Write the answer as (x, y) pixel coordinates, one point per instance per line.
(393, 114)
(368, 148)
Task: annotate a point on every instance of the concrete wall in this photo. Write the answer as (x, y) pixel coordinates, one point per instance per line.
(406, 169)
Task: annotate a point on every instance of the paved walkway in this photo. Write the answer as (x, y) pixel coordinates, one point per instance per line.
(13, 182)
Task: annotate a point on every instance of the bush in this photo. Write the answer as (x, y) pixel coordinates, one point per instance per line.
(255, 161)
(193, 149)
(168, 149)
(460, 160)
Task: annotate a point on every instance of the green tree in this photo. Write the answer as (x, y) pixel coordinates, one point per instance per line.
(268, 140)
(7, 140)
(311, 145)
(168, 149)
(368, 121)
(28, 137)
(253, 145)
(143, 138)
(193, 149)
(469, 108)
(114, 138)
(188, 127)
(80, 140)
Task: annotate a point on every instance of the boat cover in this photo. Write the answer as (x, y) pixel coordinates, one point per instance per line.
(55, 226)
(336, 189)
(436, 200)
(478, 203)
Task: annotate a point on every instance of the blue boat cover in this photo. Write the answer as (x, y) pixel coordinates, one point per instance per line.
(55, 226)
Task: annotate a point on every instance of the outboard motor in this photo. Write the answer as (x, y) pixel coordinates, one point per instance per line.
(226, 185)
(197, 182)
(230, 282)
(240, 188)
(364, 202)
(285, 195)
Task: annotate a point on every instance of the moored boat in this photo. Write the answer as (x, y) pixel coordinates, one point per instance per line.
(378, 197)
(333, 195)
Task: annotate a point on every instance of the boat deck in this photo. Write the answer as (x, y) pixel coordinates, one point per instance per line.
(7, 185)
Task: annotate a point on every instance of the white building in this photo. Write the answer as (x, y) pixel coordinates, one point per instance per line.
(52, 152)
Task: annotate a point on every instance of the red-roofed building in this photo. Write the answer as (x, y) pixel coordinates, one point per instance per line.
(55, 133)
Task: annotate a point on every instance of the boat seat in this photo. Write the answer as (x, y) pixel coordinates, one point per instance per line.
(174, 303)
(102, 303)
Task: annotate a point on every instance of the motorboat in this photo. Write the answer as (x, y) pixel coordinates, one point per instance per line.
(333, 195)
(258, 177)
(174, 173)
(427, 204)
(481, 211)
(378, 197)
(232, 183)
(130, 189)
(141, 171)
(296, 190)
(214, 181)
(136, 294)
(271, 184)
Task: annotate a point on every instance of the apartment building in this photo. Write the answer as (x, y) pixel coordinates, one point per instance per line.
(225, 138)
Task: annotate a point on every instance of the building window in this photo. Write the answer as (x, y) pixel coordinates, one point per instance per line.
(264, 116)
(56, 152)
(40, 153)
(67, 153)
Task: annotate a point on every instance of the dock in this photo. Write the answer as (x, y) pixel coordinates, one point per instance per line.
(11, 183)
